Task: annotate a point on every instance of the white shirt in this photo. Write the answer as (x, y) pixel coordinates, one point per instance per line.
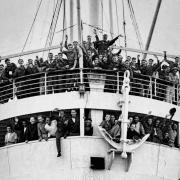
(25, 129)
(8, 135)
(74, 119)
(52, 128)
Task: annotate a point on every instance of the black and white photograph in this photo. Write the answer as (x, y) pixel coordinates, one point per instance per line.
(90, 90)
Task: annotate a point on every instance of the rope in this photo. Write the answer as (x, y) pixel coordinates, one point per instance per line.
(124, 27)
(134, 22)
(32, 25)
(66, 28)
(95, 27)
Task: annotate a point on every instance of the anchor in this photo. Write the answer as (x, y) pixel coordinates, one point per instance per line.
(125, 147)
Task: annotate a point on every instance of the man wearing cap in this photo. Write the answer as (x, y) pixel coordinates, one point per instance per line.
(103, 45)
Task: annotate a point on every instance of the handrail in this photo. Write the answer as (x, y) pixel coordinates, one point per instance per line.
(62, 80)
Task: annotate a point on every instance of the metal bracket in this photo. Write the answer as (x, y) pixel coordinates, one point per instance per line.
(111, 157)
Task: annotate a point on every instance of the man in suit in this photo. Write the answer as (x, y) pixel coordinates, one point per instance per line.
(61, 128)
(32, 129)
(24, 133)
(73, 126)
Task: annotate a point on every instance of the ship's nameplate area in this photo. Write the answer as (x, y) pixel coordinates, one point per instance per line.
(37, 160)
(91, 100)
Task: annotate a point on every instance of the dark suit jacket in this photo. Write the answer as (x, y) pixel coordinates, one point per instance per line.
(24, 135)
(32, 132)
(73, 127)
(61, 127)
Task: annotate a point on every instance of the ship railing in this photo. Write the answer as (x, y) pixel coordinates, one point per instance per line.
(93, 80)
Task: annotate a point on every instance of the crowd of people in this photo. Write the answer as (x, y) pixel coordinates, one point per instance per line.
(96, 55)
(161, 131)
(60, 124)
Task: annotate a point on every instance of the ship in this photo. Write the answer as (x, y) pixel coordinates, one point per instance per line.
(94, 94)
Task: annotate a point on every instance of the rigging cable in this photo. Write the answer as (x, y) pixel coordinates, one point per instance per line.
(50, 29)
(66, 28)
(134, 22)
(53, 24)
(117, 18)
(139, 34)
(64, 17)
(102, 14)
(124, 27)
(32, 25)
(96, 27)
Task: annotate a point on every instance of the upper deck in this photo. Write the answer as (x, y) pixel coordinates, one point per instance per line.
(86, 88)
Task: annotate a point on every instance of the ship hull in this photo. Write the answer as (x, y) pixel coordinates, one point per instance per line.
(37, 160)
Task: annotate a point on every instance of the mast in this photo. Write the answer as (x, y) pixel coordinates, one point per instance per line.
(94, 13)
(79, 21)
(80, 67)
(152, 27)
(111, 19)
(64, 20)
(71, 19)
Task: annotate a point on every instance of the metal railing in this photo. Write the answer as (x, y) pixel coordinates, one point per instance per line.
(93, 80)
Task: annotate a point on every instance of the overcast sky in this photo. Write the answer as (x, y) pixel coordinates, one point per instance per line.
(16, 17)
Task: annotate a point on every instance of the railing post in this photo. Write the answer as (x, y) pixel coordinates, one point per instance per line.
(82, 121)
(81, 76)
(45, 83)
(117, 81)
(177, 93)
(14, 91)
(150, 87)
(155, 87)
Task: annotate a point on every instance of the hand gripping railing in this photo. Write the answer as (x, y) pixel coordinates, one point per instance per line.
(93, 79)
